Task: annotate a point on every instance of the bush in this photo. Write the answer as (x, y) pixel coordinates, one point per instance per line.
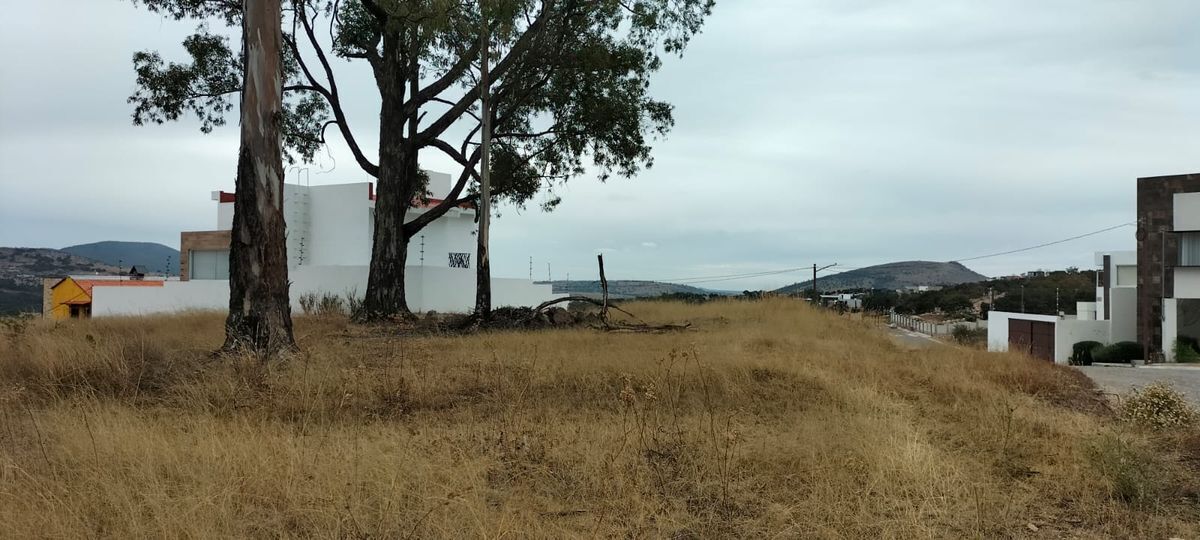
(1119, 352)
(966, 335)
(1158, 406)
(1186, 349)
(1083, 353)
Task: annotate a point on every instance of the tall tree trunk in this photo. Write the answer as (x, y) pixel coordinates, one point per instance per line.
(260, 315)
(483, 270)
(398, 181)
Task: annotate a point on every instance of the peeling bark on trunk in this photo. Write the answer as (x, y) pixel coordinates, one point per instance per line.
(398, 183)
(260, 316)
(483, 271)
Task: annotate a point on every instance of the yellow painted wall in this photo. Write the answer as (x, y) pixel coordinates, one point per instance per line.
(62, 293)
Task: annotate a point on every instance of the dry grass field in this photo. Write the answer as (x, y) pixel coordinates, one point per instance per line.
(768, 420)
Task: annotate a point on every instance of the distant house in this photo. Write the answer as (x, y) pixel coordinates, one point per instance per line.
(71, 296)
(849, 301)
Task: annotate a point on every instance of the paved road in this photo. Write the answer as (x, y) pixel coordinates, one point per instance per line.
(1121, 379)
(911, 340)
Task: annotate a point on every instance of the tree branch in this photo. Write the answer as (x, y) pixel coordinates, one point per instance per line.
(519, 48)
(451, 200)
(331, 94)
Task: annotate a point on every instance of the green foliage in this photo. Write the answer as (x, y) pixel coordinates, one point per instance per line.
(1158, 406)
(1082, 353)
(969, 336)
(1119, 352)
(570, 79)
(1187, 350)
(880, 300)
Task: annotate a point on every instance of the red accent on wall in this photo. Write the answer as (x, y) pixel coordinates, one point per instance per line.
(371, 190)
(226, 197)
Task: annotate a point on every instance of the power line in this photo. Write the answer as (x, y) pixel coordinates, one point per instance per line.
(840, 269)
(1010, 252)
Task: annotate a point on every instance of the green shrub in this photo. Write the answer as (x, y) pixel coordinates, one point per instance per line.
(1082, 353)
(1186, 349)
(966, 335)
(1158, 406)
(1119, 352)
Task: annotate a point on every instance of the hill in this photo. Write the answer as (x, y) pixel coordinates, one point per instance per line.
(22, 270)
(893, 276)
(149, 257)
(627, 288)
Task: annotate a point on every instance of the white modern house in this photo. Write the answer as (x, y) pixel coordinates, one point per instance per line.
(329, 234)
(1111, 318)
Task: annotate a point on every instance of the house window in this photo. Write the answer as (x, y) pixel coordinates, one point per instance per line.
(460, 260)
(1189, 249)
(209, 264)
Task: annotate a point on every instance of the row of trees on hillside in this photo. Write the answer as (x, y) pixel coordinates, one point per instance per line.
(567, 82)
(1041, 294)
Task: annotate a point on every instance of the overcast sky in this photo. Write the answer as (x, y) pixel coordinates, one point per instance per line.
(807, 131)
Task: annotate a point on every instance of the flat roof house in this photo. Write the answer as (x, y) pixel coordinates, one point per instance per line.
(1168, 241)
(330, 229)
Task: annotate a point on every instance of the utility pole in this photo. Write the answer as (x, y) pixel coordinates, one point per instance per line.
(814, 283)
(483, 282)
(1022, 298)
(1056, 308)
(531, 269)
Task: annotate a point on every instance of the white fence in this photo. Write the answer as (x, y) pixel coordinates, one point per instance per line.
(449, 290)
(917, 324)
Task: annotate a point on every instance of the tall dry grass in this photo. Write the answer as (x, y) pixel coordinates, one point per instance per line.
(769, 420)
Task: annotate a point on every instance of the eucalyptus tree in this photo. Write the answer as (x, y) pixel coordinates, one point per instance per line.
(260, 317)
(569, 86)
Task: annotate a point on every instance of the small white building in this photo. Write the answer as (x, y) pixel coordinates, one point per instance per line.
(1111, 318)
(329, 234)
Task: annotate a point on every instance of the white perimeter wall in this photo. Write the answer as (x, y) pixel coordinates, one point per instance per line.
(448, 290)
(998, 327)
(1068, 332)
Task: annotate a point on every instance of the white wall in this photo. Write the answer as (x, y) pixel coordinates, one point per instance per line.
(203, 294)
(998, 327)
(224, 216)
(1086, 311)
(1187, 282)
(1170, 328)
(339, 225)
(439, 184)
(1187, 211)
(1068, 332)
(1123, 313)
(453, 232)
(450, 290)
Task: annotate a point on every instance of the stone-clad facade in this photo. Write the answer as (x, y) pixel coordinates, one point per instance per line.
(1158, 251)
(198, 240)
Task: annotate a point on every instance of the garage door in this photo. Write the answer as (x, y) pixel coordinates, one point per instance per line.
(1035, 338)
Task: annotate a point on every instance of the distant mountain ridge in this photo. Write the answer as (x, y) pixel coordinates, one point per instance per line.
(22, 270)
(625, 288)
(893, 276)
(149, 257)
